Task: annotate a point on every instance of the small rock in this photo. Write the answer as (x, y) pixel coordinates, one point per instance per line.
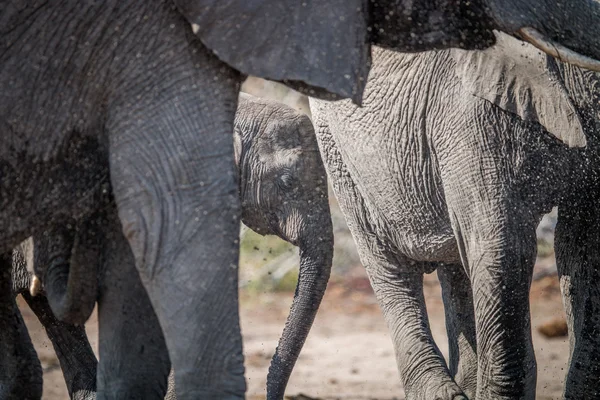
(556, 327)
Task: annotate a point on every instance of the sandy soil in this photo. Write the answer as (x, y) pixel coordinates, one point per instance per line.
(349, 354)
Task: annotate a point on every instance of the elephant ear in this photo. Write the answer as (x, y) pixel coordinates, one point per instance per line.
(308, 43)
(522, 80)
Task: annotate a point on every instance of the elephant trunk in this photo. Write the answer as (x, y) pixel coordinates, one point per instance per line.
(71, 272)
(77, 359)
(71, 290)
(316, 254)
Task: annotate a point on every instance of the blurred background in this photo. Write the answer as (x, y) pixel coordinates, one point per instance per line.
(348, 354)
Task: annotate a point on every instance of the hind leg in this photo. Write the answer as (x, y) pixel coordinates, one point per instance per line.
(73, 350)
(20, 368)
(399, 290)
(460, 326)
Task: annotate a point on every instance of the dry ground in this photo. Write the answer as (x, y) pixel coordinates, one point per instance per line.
(349, 354)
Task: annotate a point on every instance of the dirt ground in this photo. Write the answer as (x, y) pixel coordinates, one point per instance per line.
(348, 354)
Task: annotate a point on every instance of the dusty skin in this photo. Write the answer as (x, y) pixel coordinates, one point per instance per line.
(348, 354)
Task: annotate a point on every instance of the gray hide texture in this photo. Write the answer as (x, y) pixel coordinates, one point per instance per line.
(283, 190)
(449, 165)
(122, 91)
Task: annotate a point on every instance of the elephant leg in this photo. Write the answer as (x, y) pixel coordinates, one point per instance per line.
(77, 359)
(499, 253)
(399, 290)
(20, 368)
(577, 242)
(398, 286)
(171, 388)
(134, 361)
(174, 181)
(460, 326)
(494, 225)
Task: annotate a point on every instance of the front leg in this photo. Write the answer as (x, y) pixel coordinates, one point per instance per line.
(486, 183)
(174, 181)
(499, 252)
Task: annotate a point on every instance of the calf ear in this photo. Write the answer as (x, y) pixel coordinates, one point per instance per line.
(317, 43)
(522, 80)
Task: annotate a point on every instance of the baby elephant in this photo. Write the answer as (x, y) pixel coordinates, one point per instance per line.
(283, 190)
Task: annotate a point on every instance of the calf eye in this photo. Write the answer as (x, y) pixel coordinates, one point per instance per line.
(285, 181)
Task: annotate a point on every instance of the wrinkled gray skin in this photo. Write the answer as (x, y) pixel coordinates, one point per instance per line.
(283, 192)
(20, 370)
(73, 350)
(448, 166)
(134, 361)
(126, 85)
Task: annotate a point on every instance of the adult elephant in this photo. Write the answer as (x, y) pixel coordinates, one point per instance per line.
(454, 174)
(86, 85)
(283, 192)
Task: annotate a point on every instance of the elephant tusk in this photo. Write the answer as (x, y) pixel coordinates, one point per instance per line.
(36, 286)
(558, 51)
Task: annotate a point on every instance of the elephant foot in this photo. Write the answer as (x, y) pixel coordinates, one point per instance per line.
(450, 392)
(447, 391)
(84, 395)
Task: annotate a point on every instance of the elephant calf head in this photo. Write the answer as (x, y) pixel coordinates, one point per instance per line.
(283, 190)
(283, 184)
